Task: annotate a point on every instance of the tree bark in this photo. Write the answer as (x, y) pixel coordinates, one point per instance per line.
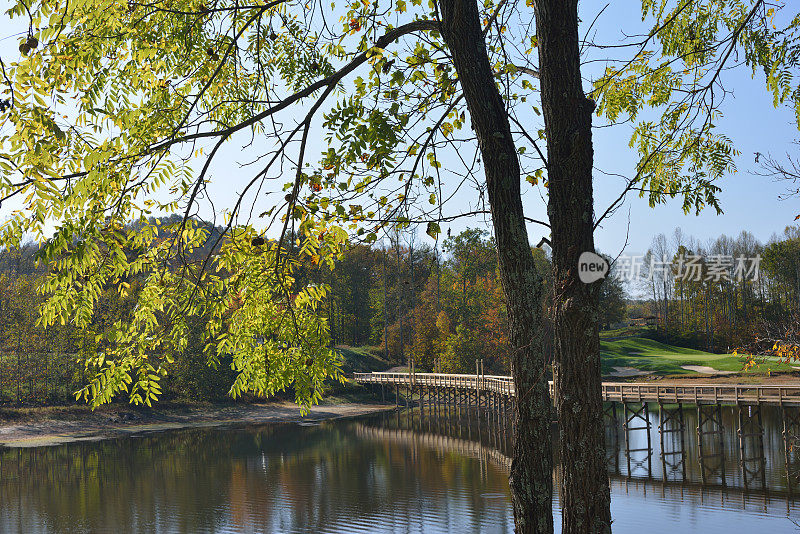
(585, 495)
(532, 466)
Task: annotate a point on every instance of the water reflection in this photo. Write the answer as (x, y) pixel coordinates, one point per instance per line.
(721, 462)
(666, 494)
(401, 472)
(276, 478)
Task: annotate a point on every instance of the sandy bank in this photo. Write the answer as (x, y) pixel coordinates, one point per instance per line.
(39, 428)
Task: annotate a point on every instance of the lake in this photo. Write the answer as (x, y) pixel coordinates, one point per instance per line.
(387, 473)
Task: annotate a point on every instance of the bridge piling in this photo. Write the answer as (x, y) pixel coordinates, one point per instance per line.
(493, 397)
(670, 422)
(709, 423)
(642, 416)
(751, 431)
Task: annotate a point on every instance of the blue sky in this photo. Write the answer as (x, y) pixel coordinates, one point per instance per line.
(750, 202)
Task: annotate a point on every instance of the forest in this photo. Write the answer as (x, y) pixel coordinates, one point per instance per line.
(724, 312)
(406, 298)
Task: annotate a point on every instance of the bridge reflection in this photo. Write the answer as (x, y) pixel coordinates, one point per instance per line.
(715, 434)
(649, 450)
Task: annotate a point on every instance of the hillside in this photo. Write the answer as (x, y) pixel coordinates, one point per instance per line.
(361, 359)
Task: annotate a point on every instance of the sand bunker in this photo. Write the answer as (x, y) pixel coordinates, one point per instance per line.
(706, 370)
(629, 371)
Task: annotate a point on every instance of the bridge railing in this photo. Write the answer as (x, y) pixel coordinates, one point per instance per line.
(497, 383)
(703, 393)
(783, 394)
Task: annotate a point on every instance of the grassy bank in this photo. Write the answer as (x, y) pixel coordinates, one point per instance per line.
(627, 347)
(362, 359)
(662, 359)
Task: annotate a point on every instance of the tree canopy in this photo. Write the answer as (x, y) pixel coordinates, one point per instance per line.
(343, 113)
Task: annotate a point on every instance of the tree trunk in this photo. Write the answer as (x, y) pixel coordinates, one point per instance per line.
(666, 306)
(400, 315)
(385, 308)
(585, 495)
(413, 334)
(532, 467)
(332, 316)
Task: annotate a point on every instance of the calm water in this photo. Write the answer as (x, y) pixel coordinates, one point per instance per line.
(381, 474)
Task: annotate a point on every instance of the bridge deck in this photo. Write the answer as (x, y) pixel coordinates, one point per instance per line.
(783, 395)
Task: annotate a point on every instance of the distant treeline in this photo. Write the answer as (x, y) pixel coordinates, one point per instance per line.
(440, 306)
(728, 299)
(443, 306)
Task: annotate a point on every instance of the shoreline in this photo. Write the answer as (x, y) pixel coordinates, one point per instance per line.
(49, 426)
(56, 426)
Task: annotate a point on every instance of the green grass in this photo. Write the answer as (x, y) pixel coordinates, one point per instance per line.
(362, 359)
(637, 352)
(648, 355)
(626, 331)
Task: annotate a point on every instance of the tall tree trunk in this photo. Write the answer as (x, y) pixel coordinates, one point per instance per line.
(532, 467)
(332, 315)
(438, 280)
(400, 314)
(413, 335)
(385, 308)
(666, 306)
(709, 341)
(797, 278)
(567, 114)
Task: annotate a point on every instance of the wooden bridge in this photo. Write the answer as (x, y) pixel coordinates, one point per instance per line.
(494, 396)
(629, 403)
(441, 439)
(625, 392)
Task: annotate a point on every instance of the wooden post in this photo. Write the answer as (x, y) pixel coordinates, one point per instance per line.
(700, 456)
(477, 374)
